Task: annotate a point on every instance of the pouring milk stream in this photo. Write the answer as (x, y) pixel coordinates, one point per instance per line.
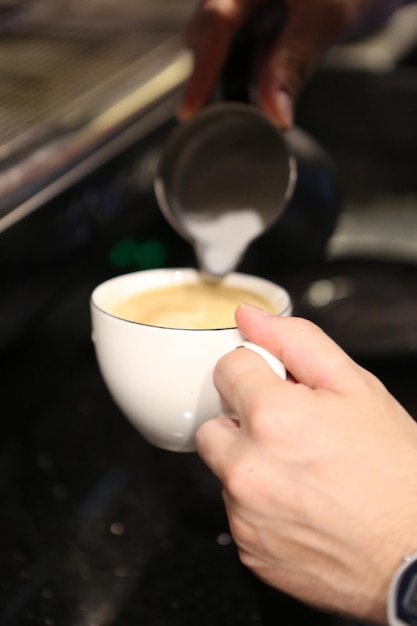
(224, 177)
(220, 243)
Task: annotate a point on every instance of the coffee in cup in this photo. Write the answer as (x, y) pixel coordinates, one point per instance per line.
(194, 305)
(159, 375)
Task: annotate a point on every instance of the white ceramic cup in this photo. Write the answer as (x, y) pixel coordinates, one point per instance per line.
(161, 378)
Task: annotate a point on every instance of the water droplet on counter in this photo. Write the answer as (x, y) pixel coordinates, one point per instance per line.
(117, 528)
(224, 539)
(325, 291)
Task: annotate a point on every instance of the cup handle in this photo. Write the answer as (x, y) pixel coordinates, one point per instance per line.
(275, 364)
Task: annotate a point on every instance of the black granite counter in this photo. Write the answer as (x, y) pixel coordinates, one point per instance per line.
(96, 526)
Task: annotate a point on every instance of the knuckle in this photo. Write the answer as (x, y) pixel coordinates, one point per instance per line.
(296, 69)
(257, 406)
(372, 383)
(260, 419)
(248, 559)
(242, 532)
(227, 15)
(304, 326)
(236, 480)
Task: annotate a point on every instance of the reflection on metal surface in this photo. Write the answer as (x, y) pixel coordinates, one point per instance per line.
(327, 290)
(57, 58)
(79, 84)
(52, 168)
(382, 50)
(384, 227)
(147, 94)
(368, 306)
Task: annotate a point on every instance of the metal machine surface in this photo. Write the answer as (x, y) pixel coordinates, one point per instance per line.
(81, 82)
(82, 86)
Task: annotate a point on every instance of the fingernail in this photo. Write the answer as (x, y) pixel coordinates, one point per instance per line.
(251, 308)
(284, 107)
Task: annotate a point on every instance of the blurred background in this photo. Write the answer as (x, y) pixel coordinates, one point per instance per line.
(96, 526)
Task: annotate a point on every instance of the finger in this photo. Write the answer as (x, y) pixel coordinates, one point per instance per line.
(215, 439)
(210, 54)
(295, 55)
(210, 35)
(310, 356)
(249, 386)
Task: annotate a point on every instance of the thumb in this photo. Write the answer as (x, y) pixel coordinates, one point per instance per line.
(308, 354)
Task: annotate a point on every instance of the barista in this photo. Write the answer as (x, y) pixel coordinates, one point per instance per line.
(320, 472)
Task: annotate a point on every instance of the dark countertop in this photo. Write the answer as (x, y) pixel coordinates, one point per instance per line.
(98, 527)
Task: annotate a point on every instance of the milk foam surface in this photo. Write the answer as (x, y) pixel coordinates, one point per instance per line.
(188, 306)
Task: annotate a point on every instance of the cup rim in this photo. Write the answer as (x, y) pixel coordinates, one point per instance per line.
(177, 275)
